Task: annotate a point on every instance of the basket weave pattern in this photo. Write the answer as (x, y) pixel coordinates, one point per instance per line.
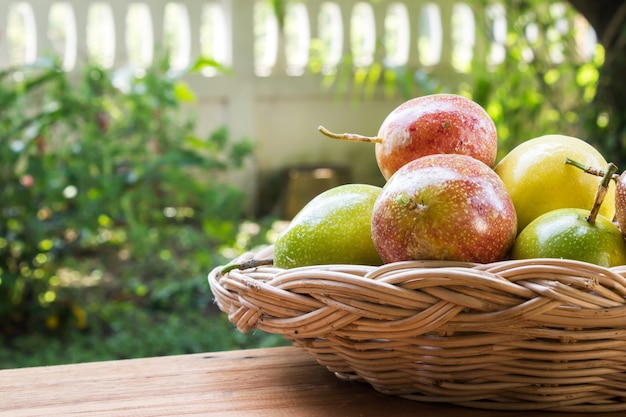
(515, 335)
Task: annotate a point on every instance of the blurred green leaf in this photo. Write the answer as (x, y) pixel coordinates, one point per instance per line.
(203, 63)
(183, 93)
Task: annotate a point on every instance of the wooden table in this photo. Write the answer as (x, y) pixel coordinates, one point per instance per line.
(283, 381)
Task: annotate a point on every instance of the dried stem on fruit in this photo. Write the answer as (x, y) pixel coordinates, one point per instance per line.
(249, 264)
(352, 137)
(588, 169)
(602, 189)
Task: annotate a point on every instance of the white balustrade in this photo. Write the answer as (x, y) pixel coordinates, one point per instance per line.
(118, 33)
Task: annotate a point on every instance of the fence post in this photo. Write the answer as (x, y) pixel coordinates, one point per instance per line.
(4, 44)
(241, 114)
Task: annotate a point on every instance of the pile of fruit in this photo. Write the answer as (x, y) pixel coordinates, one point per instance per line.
(446, 198)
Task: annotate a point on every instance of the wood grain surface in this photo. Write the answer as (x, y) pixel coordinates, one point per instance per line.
(283, 381)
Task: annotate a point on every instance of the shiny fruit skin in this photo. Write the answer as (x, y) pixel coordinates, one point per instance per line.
(432, 124)
(332, 228)
(566, 233)
(539, 181)
(446, 207)
(620, 203)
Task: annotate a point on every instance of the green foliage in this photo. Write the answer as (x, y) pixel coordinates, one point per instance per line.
(543, 85)
(107, 194)
(606, 119)
(173, 318)
(125, 331)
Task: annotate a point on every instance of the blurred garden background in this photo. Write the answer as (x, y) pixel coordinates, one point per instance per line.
(136, 158)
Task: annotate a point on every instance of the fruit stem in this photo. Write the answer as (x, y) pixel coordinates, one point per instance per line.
(588, 169)
(249, 264)
(602, 189)
(352, 137)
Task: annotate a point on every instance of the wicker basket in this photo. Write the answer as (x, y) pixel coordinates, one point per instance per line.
(542, 334)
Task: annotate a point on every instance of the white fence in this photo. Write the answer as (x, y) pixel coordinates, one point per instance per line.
(272, 96)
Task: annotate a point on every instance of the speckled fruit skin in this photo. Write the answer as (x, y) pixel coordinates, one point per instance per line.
(620, 203)
(333, 228)
(565, 233)
(446, 207)
(433, 124)
(538, 180)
